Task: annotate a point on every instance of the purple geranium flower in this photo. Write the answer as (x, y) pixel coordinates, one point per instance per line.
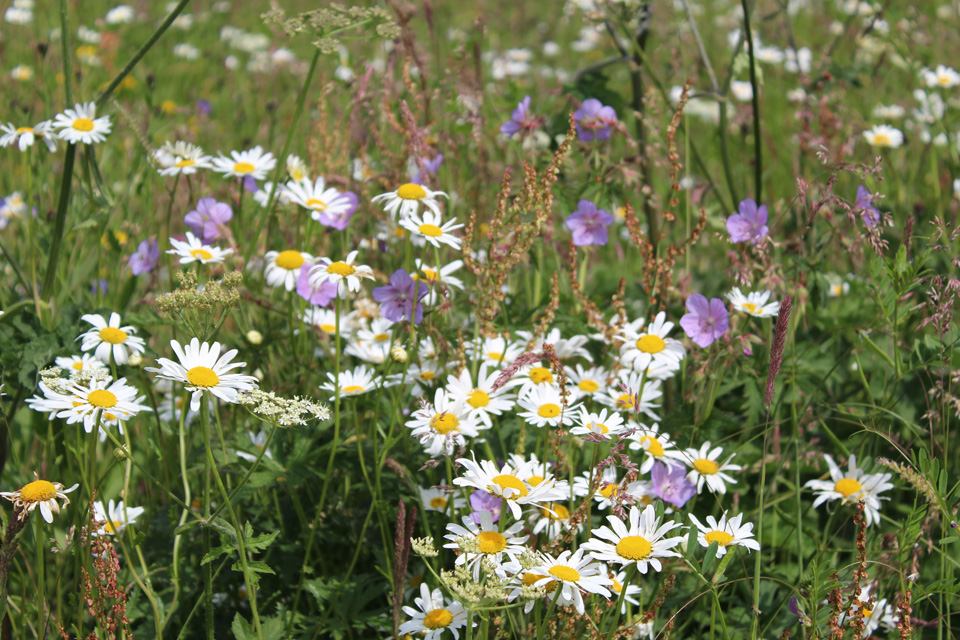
(320, 296)
(706, 321)
(520, 120)
(483, 501)
(589, 224)
(749, 224)
(431, 167)
(593, 120)
(339, 219)
(145, 258)
(204, 107)
(670, 484)
(864, 203)
(209, 220)
(397, 298)
(250, 184)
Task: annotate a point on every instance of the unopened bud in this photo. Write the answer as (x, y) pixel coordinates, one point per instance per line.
(135, 360)
(119, 454)
(398, 353)
(254, 337)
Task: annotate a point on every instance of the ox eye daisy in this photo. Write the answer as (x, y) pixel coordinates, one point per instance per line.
(25, 137)
(706, 469)
(182, 158)
(82, 362)
(651, 346)
(600, 424)
(573, 575)
(625, 394)
(433, 229)
(443, 426)
(643, 542)
(618, 580)
(326, 321)
(39, 493)
(110, 338)
(201, 368)
(495, 352)
(255, 163)
(115, 517)
(656, 447)
(726, 533)
(346, 274)
(544, 408)
(851, 487)
(482, 540)
(433, 615)
(194, 250)
(328, 206)
(505, 483)
(282, 268)
(353, 382)
(81, 125)
(480, 399)
(114, 401)
(439, 499)
(406, 200)
(586, 383)
(754, 303)
(883, 136)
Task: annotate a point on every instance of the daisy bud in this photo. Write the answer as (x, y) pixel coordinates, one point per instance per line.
(119, 454)
(135, 360)
(398, 353)
(254, 337)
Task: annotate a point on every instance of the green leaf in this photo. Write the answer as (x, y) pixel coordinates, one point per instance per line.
(242, 630)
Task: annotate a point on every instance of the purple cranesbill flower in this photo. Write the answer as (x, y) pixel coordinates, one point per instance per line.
(864, 203)
(209, 220)
(750, 224)
(593, 120)
(706, 321)
(250, 184)
(204, 107)
(397, 298)
(483, 501)
(670, 484)
(431, 167)
(589, 224)
(145, 258)
(520, 120)
(320, 296)
(339, 219)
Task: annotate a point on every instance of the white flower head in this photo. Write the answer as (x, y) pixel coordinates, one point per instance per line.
(108, 338)
(81, 124)
(201, 369)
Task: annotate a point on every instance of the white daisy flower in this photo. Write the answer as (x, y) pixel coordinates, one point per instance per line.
(171, 407)
(353, 382)
(565, 348)
(379, 332)
(651, 346)
(259, 441)
(443, 426)
(532, 376)
(435, 499)
(599, 424)
(481, 400)
(176, 158)
(253, 162)
(370, 352)
(554, 520)
(201, 368)
(103, 400)
(406, 200)
(754, 303)
(544, 407)
(618, 579)
(81, 124)
(437, 275)
(656, 447)
(873, 612)
(610, 490)
(586, 383)
(726, 533)
(435, 615)
(324, 203)
(282, 268)
(264, 194)
(883, 136)
(504, 482)
(326, 321)
(24, 137)
(856, 485)
(194, 250)
(106, 338)
(483, 541)
(574, 576)
(624, 394)
(297, 168)
(433, 229)
(706, 470)
(115, 517)
(39, 493)
(643, 542)
(495, 352)
(346, 273)
(943, 77)
(82, 362)
(422, 377)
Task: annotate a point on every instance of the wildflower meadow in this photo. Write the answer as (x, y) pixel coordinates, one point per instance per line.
(435, 320)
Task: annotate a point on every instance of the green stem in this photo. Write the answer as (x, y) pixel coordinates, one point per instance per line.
(757, 144)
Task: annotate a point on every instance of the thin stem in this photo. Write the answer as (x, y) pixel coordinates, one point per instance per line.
(757, 143)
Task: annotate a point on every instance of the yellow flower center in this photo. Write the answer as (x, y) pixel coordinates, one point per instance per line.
(438, 503)
(411, 191)
(83, 124)
(430, 275)
(560, 512)
(25, 130)
(243, 167)
(720, 537)
(431, 230)
(507, 481)
(653, 446)
(491, 542)
(567, 574)
(548, 410)
(626, 401)
(534, 480)
(328, 328)
(438, 619)
(38, 491)
(203, 377)
(113, 336)
(314, 203)
(444, 423)
(634, 548)
(78, 366)
(341, 269)
(201, 254)
(185, 163)
(847, 487)
(530, 579)
(617, 587)
(706, 467)
(749, 307)
(478, 399)
(112, 526)
(651, 344)
(290, 260)
(427, 376)
(610, 490)
(110, 416)
(495, 355)
(353, 388)
(102, 399)
(882, 139)
(588, 386)
(603, 428)
(382, 337)
(540, 375)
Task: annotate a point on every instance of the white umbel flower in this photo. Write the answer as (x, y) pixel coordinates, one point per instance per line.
(109, 337)
(81, 124)
(201, 368)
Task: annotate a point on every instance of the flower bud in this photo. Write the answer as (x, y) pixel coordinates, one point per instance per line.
(398, 353)
(135, 360)
(254, 337)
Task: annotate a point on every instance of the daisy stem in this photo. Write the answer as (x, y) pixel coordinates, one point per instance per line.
(757, 142)
(627, 579)
(205, 534)
(541, 624)
(39, 545)
(336, 407)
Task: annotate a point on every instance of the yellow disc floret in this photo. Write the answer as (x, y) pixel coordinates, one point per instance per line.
(203, 377)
